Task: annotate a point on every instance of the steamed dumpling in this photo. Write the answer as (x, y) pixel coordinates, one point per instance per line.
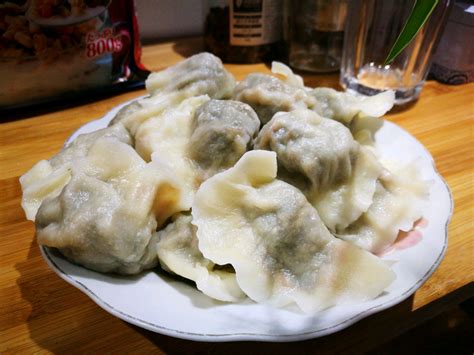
(201, 74)
(105, 217)
(280, 250)
(178, 253)
(320, 150)
(222, 131)
(47, 178)
(268, 95)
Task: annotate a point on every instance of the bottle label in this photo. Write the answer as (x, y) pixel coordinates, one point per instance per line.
(255, 22)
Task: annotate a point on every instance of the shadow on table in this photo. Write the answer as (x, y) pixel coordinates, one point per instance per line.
(384, 332)
(67, 101)
(359, 337)
(59, 317)
(38, 285)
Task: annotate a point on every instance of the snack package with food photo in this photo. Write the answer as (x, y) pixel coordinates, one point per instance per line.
(62, 49)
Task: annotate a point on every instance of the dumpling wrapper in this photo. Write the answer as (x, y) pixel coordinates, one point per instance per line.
(168, 133)
(320, 150)
(126, 111)
(133, 115)
(268, 95)
(289, 77)
(222, 131)
(344, 107)
(39, 183)
(165, 138)
(398, 202)
(359, 113)
(178, 253)
(106, 215)
(342, 204)
(201, 74)
(280, 250)
(47, 178)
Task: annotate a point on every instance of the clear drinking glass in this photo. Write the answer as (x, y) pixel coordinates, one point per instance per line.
(315, 32)
(372, 27)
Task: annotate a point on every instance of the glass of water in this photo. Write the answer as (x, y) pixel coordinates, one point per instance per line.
(372, 26)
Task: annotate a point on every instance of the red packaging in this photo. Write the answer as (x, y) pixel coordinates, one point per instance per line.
(64, 49)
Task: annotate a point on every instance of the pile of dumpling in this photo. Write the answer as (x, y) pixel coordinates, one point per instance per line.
(262, 189)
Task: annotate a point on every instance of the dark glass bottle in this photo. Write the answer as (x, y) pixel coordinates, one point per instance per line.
(245, 31)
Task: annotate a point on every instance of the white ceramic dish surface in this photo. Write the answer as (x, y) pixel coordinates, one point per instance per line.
(166, 305)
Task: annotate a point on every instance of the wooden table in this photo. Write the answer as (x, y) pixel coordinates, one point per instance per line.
(41, 312)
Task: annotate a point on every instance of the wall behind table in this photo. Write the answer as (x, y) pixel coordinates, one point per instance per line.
(163, 19)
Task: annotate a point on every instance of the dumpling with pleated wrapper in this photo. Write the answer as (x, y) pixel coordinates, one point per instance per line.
(106, 215)
(274, 239)
(399, 200)
(268, 94)
(200, 74)
(222, 131)
(344, 107)
(361, 114)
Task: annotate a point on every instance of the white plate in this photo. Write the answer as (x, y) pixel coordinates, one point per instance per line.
(165, 305)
